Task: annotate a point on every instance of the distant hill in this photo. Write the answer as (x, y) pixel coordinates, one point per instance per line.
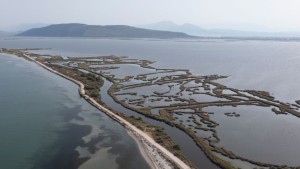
(198, 31)
(110, 31)
(170, 26)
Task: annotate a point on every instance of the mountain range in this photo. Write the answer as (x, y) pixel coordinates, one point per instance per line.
(162, 30)
(199, 31)
(109, 31)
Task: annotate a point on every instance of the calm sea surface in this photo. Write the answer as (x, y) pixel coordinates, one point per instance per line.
(271, 66)
(262, 65)
(43, 121)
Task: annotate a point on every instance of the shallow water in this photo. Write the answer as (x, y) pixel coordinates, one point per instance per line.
(125, 70)
(43, 121)
(260, 65)
(272, 66)
(258, 134)
(187, 145)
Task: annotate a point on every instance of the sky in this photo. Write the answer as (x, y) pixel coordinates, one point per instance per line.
(253, 15)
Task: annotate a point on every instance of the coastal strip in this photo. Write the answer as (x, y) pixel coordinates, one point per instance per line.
(144, 138)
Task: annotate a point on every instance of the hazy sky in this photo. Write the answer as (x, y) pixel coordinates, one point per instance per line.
(273, 15)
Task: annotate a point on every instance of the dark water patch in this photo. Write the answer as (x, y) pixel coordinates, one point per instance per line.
(92, 144)
(61, 154)
(71, 114)
(125, 151)
(125, 159)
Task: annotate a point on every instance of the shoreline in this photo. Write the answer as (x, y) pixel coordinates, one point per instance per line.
(143, 150)
(170, 112)
(139, 135)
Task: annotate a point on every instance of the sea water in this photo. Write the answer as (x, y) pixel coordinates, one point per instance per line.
(44, 124)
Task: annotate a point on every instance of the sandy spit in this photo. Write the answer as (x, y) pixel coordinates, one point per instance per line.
(158, 155)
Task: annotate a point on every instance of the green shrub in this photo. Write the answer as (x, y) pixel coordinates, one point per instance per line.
(176, 147)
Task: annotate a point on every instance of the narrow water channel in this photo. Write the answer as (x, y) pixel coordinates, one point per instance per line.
(187, 145)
